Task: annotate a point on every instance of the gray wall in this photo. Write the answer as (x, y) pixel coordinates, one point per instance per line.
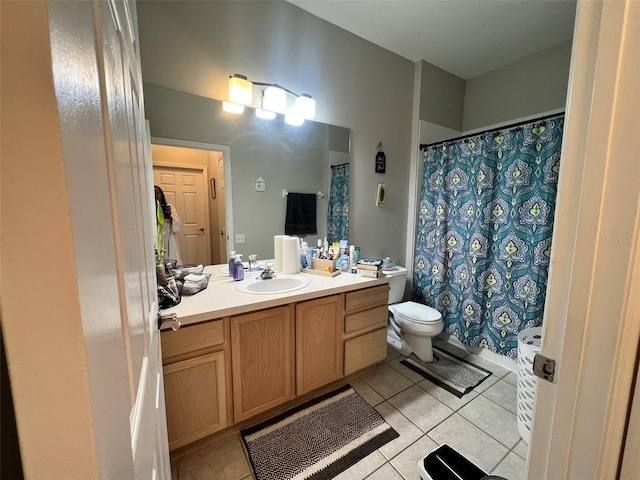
(441, 97)
(533, 85)
(193, 47)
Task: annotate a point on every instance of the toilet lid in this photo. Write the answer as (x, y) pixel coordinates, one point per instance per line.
(416, 312)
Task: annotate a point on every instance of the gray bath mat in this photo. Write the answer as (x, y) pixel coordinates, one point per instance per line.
(317, 440)
(454, 374)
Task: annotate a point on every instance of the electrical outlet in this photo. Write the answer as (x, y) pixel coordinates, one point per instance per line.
(239, 237)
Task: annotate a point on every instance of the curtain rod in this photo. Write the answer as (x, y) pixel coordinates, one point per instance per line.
(341, 165)
(517, 124)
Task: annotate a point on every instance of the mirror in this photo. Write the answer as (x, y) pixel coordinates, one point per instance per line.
(262, 159)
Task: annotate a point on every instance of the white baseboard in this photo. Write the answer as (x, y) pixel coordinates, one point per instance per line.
(496, 358)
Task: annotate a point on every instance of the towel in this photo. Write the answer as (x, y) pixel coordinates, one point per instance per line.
(301, 213)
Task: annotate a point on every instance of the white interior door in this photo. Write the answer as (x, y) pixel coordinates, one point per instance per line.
(186, 189)
(592, 325)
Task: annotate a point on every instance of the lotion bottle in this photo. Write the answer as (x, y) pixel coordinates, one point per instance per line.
(238, 268)
(232, 257)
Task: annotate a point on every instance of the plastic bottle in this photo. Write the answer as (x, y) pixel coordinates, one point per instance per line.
(305, 257)
(232, 257)
(238, 268)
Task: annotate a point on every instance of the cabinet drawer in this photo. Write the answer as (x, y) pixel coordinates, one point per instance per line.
(365, 350)
(192, 338)
(369, 318)
(367, 298)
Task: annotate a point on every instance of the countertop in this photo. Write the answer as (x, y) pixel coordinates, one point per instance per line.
(221, 299)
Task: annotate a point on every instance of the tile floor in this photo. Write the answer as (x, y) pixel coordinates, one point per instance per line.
(481, 425)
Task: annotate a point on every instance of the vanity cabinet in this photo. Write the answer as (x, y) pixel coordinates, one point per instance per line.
(318, 343)
(195, 382)
(262, 360)
(365, 327)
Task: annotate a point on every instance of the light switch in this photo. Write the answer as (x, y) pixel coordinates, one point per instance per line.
(239, 237)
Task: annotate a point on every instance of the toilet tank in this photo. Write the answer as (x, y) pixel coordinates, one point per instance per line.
(397, 280)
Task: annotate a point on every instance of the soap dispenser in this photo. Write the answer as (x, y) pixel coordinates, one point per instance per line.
(238, 268)
(232, 257)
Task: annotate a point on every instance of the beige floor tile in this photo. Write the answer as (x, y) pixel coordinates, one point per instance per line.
(372, 397)
(446, 397)
(386, 381)
(363, 468)
(463, 436)
(407, 462)
(386, 472)
(424, 410)
(408, 432)
(391, 353)
(511, 378)
(486, 384)
(493, 419)
(512, 467)
(223, 460)
(504, 394)
(521, 449)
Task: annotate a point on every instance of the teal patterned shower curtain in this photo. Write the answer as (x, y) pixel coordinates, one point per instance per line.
(338, 214)
(484, 231)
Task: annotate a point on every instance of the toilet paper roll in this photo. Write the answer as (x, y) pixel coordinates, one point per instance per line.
(290, 255)
(277, 252)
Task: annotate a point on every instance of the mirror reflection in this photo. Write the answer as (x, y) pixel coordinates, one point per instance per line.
(228, 175)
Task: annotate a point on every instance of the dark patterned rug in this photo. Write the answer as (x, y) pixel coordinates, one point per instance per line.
(318, 439)
(454, 374)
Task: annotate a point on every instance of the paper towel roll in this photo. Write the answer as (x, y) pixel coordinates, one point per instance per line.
(290, 255)
(277, 252)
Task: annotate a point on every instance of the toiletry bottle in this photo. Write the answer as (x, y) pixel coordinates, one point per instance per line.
(232, 257)
(238, 268)
(319, 249)
(305, 259)
(352, 257)
(325, 247)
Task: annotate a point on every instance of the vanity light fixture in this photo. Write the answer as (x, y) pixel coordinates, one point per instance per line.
(240, 90)
(274, 100)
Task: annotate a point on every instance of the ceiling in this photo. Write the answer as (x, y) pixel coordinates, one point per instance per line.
(464, 37)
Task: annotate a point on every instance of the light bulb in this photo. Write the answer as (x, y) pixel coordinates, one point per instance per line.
(274, 99)
(240, 90)
(306, 105)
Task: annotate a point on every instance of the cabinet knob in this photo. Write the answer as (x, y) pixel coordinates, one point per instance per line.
(171, 317)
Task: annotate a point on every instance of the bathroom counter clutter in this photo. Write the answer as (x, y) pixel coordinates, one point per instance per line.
(222, 298)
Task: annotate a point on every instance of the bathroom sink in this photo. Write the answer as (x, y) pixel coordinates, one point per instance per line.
(281, 283)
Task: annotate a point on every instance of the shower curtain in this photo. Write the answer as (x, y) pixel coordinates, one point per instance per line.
(338, 214)
(484, 232)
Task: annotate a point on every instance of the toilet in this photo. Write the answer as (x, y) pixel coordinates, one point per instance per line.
(411, 325)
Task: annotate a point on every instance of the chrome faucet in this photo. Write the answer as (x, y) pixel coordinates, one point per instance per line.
(267, 273)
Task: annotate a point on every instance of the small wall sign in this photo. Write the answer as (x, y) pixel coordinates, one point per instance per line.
(260, 184)
(381, 160)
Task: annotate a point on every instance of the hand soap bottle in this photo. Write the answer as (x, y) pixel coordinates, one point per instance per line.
(238, 268)
(232, 258)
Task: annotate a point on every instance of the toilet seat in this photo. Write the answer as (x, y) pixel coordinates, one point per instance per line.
(416, 313)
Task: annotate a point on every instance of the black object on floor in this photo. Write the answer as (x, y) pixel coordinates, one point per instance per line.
(444, 463)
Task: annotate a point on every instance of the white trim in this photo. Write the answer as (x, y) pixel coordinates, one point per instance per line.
(506, 123)
(226, 152)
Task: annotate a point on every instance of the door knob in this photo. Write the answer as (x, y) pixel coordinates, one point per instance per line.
(202, 229)
(172, 317)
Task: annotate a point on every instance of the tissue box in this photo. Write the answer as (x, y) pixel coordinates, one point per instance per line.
(321, 264)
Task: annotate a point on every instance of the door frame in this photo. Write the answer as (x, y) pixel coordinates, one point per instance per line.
(226, 152)
(205, 178)
(592, 320)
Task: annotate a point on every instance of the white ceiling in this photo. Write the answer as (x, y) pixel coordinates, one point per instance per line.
(464, 37)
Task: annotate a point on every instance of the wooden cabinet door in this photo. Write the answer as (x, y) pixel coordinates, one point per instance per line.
(196, 398)
(262, 359)
(318, 343)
